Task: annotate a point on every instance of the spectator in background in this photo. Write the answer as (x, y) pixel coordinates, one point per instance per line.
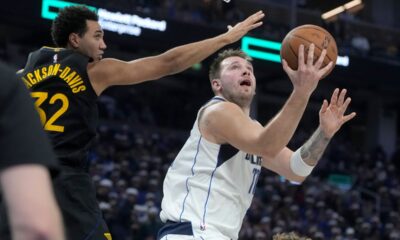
(361, 44)
(289, 236)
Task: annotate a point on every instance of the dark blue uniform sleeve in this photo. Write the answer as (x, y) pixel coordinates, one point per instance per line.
(22, 139)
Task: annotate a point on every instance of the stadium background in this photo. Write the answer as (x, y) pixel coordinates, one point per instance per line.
(354, 193)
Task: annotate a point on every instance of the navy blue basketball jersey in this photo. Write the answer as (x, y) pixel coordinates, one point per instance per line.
(64, 99)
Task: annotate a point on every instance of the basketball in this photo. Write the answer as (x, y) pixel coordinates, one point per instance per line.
(307, 34)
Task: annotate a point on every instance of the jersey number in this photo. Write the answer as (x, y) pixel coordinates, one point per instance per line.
(256, 174)
(41, 97)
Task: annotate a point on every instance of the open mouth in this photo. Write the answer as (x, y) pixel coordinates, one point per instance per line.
(245, 83)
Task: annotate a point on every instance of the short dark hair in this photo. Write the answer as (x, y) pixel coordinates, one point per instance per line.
(216, 64)
(71, 20)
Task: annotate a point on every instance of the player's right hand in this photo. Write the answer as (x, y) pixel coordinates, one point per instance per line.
(240, 29)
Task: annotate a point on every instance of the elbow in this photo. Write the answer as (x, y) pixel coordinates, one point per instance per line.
(298, 180)
(170, 64)
(175, 66)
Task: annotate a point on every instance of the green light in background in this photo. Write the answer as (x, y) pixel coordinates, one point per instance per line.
(247, 42)
(197, 66)
(47, 4)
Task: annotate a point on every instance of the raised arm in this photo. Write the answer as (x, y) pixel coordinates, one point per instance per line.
(331, 119)
(227, 123)
(110, 72)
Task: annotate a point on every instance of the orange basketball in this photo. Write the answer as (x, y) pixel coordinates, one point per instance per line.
(307, 34)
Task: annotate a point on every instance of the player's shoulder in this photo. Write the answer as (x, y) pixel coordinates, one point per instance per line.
(223, 106)
(221, 111)
(106, 67)
(47, 49)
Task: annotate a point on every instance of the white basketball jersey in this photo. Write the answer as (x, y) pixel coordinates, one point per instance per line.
(210, 185)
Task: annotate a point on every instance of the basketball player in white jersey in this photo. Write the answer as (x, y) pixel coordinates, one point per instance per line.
(210, 184)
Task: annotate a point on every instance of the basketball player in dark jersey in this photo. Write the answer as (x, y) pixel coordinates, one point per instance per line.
(65, 83)
(25, 160)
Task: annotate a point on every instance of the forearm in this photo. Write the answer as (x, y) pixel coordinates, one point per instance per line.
(183, 57)
(296, 166)
(280, 129)
(41, 218)
(312, 150)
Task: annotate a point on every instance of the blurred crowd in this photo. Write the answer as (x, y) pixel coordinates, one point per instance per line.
(130, 161)
(352, 194)
(351, 33)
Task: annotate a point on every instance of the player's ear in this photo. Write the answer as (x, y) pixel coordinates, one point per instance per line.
(216, 84)
(73, 39)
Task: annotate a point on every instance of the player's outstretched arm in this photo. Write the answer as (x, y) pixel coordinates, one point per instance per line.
(114, 72)
(296, 166)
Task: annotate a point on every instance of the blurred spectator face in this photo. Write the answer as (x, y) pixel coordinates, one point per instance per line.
(394, 235)
(131, 194)
(365, 229)
(350, 232)
(318, 236)
(260, 236)
(104, 187)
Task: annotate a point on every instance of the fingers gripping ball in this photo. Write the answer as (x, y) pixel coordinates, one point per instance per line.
(307, 34)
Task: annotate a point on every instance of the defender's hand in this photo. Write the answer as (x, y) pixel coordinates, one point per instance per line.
(240, 29)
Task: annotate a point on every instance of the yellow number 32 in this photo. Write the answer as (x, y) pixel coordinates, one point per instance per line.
(41, 97)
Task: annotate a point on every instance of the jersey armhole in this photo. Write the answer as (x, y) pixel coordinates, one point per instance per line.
(211, 102)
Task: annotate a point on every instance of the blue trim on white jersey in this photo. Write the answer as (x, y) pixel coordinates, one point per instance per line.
(214, 98)
(187, 179)
(176, 228)
(218, 98)
(226, 152)
(208, 196)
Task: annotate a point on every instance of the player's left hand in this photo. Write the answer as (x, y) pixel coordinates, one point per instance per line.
(332, 115)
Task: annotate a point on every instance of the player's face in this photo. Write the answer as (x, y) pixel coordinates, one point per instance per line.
(238, 83)
(92, 43)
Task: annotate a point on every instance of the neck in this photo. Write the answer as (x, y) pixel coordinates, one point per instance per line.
(244, 106)
(246, 110)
